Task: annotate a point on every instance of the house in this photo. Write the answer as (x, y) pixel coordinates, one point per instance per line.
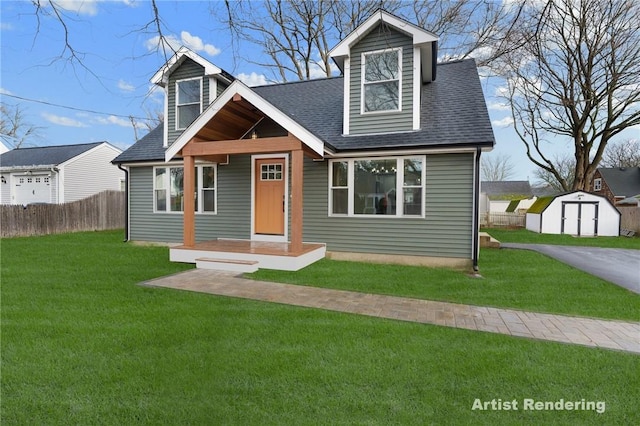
(503, 196)
(616, 183)
(3, 148)
(58, 174)
(575, 213)
(378, 164)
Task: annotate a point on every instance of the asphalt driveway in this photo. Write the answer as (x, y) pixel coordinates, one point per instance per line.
(619, 266)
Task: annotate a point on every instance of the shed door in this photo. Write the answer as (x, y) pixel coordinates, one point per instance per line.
(579, 218)
(31, 189)
(269, 196)
(570, 218)
(588, 219)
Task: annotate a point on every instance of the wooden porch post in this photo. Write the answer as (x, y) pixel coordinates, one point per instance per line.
(189, 230)
(297, 164)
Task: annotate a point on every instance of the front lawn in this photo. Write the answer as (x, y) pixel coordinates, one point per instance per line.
(525, 236)
(83, 344)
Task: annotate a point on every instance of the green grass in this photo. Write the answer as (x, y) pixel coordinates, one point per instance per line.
(83, 344)
(511, 279)
(525, 236)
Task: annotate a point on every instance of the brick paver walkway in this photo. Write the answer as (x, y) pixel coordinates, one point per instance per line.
(608, 334)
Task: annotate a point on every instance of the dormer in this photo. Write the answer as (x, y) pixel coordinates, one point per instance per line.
(190, 84)
(385, 62)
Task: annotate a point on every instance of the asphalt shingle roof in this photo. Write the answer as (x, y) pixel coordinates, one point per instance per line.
(44, 155)
(511, 187)
(453, 113)
(623, 182)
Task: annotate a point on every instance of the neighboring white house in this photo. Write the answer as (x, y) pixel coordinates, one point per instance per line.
(497, 196)
(3, 148)
(58, 174)
(575, 213)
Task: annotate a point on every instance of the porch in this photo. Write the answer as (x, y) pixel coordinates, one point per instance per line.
(247, 255)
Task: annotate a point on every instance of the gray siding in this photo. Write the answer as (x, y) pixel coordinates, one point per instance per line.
(188, 69)
(234, 209)
(444, 232)
(220, 87)
(378, 39)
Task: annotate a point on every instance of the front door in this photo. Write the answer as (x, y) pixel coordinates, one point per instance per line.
(269, 196)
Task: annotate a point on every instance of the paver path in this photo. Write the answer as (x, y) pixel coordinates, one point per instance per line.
(618, 335)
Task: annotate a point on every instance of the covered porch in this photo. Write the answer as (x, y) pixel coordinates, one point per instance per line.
(237, 124)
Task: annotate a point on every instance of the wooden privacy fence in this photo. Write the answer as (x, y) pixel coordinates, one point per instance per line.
(630, 218)
(498, 219)
(98, 212)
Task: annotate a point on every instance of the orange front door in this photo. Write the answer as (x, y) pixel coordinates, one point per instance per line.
(269, 193)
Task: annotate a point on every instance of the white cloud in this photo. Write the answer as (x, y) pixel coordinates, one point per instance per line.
(252, 79)
(186, 39)
(125, 87)
(112, 119)
(6, 26)
(81, 7)
(498, 106)
(4, 91)
(503, 122)
(502, 91)
(62, 121)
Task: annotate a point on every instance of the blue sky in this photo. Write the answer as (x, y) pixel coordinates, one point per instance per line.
(121, 57)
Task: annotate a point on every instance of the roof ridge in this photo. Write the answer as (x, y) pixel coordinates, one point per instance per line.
(62, 146)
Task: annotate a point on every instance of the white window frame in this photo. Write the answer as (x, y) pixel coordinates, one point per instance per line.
(177, 116)
(199, 189)
(363, 63)
(399, 187)
(597, 184)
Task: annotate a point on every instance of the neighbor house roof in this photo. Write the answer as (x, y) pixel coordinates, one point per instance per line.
(453, 114)
(510, 189)
(623, 182)
(43, 155)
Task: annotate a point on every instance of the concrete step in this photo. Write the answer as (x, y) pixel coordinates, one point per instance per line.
(231, 265)
(487, 240)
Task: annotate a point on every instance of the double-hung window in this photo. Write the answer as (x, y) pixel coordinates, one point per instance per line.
(597, 184)
(377, 186)
(188, 101)
(168, 189)
(381, 81)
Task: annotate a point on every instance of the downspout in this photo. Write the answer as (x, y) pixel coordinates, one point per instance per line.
(126, 202)
(476, 209)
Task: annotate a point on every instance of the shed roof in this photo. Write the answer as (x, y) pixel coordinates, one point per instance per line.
(44, 155)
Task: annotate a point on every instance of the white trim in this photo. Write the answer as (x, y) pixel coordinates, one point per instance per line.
(417, 88)
(237, 87)
(161, 77)
(597, 184)
(270, 238)
(213, 89)
(346, 96)
(402, 153)
(343, 49)
(177, 104)
(60, 185)
(399, 187)
(165, 124)
(363, 63)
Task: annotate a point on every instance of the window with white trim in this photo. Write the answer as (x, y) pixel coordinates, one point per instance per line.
(392, 186)
(168, 189)
(381, 81)
(188, 101)
(597, 184)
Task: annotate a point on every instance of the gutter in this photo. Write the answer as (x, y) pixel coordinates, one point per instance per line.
(476, 210)
(126, 202)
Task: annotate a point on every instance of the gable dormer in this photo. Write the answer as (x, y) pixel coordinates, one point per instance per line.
(385, 62)
(190, 84)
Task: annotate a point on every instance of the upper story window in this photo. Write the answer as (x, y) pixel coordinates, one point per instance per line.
(188, 101)
(381, 81)
(597, 184)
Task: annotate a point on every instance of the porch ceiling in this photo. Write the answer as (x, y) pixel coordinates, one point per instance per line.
(233, 120)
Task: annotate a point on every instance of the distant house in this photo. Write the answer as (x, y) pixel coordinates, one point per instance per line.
(503, 196)
(3, 148)
(576, 213)
(58, 174)
(617, 183)
(379, 164)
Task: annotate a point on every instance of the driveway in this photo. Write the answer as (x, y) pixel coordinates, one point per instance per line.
(619, 266)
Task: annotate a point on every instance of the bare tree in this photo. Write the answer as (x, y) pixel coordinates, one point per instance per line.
(565, 167)
(625, 153)
(496, 168)
(14, 130)
(574, 76)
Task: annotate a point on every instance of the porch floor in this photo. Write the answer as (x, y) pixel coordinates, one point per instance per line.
(269, 255)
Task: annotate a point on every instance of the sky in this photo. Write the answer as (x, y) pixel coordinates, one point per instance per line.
(71, 104)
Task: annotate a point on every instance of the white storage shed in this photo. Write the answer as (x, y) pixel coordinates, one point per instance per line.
(576, 213)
